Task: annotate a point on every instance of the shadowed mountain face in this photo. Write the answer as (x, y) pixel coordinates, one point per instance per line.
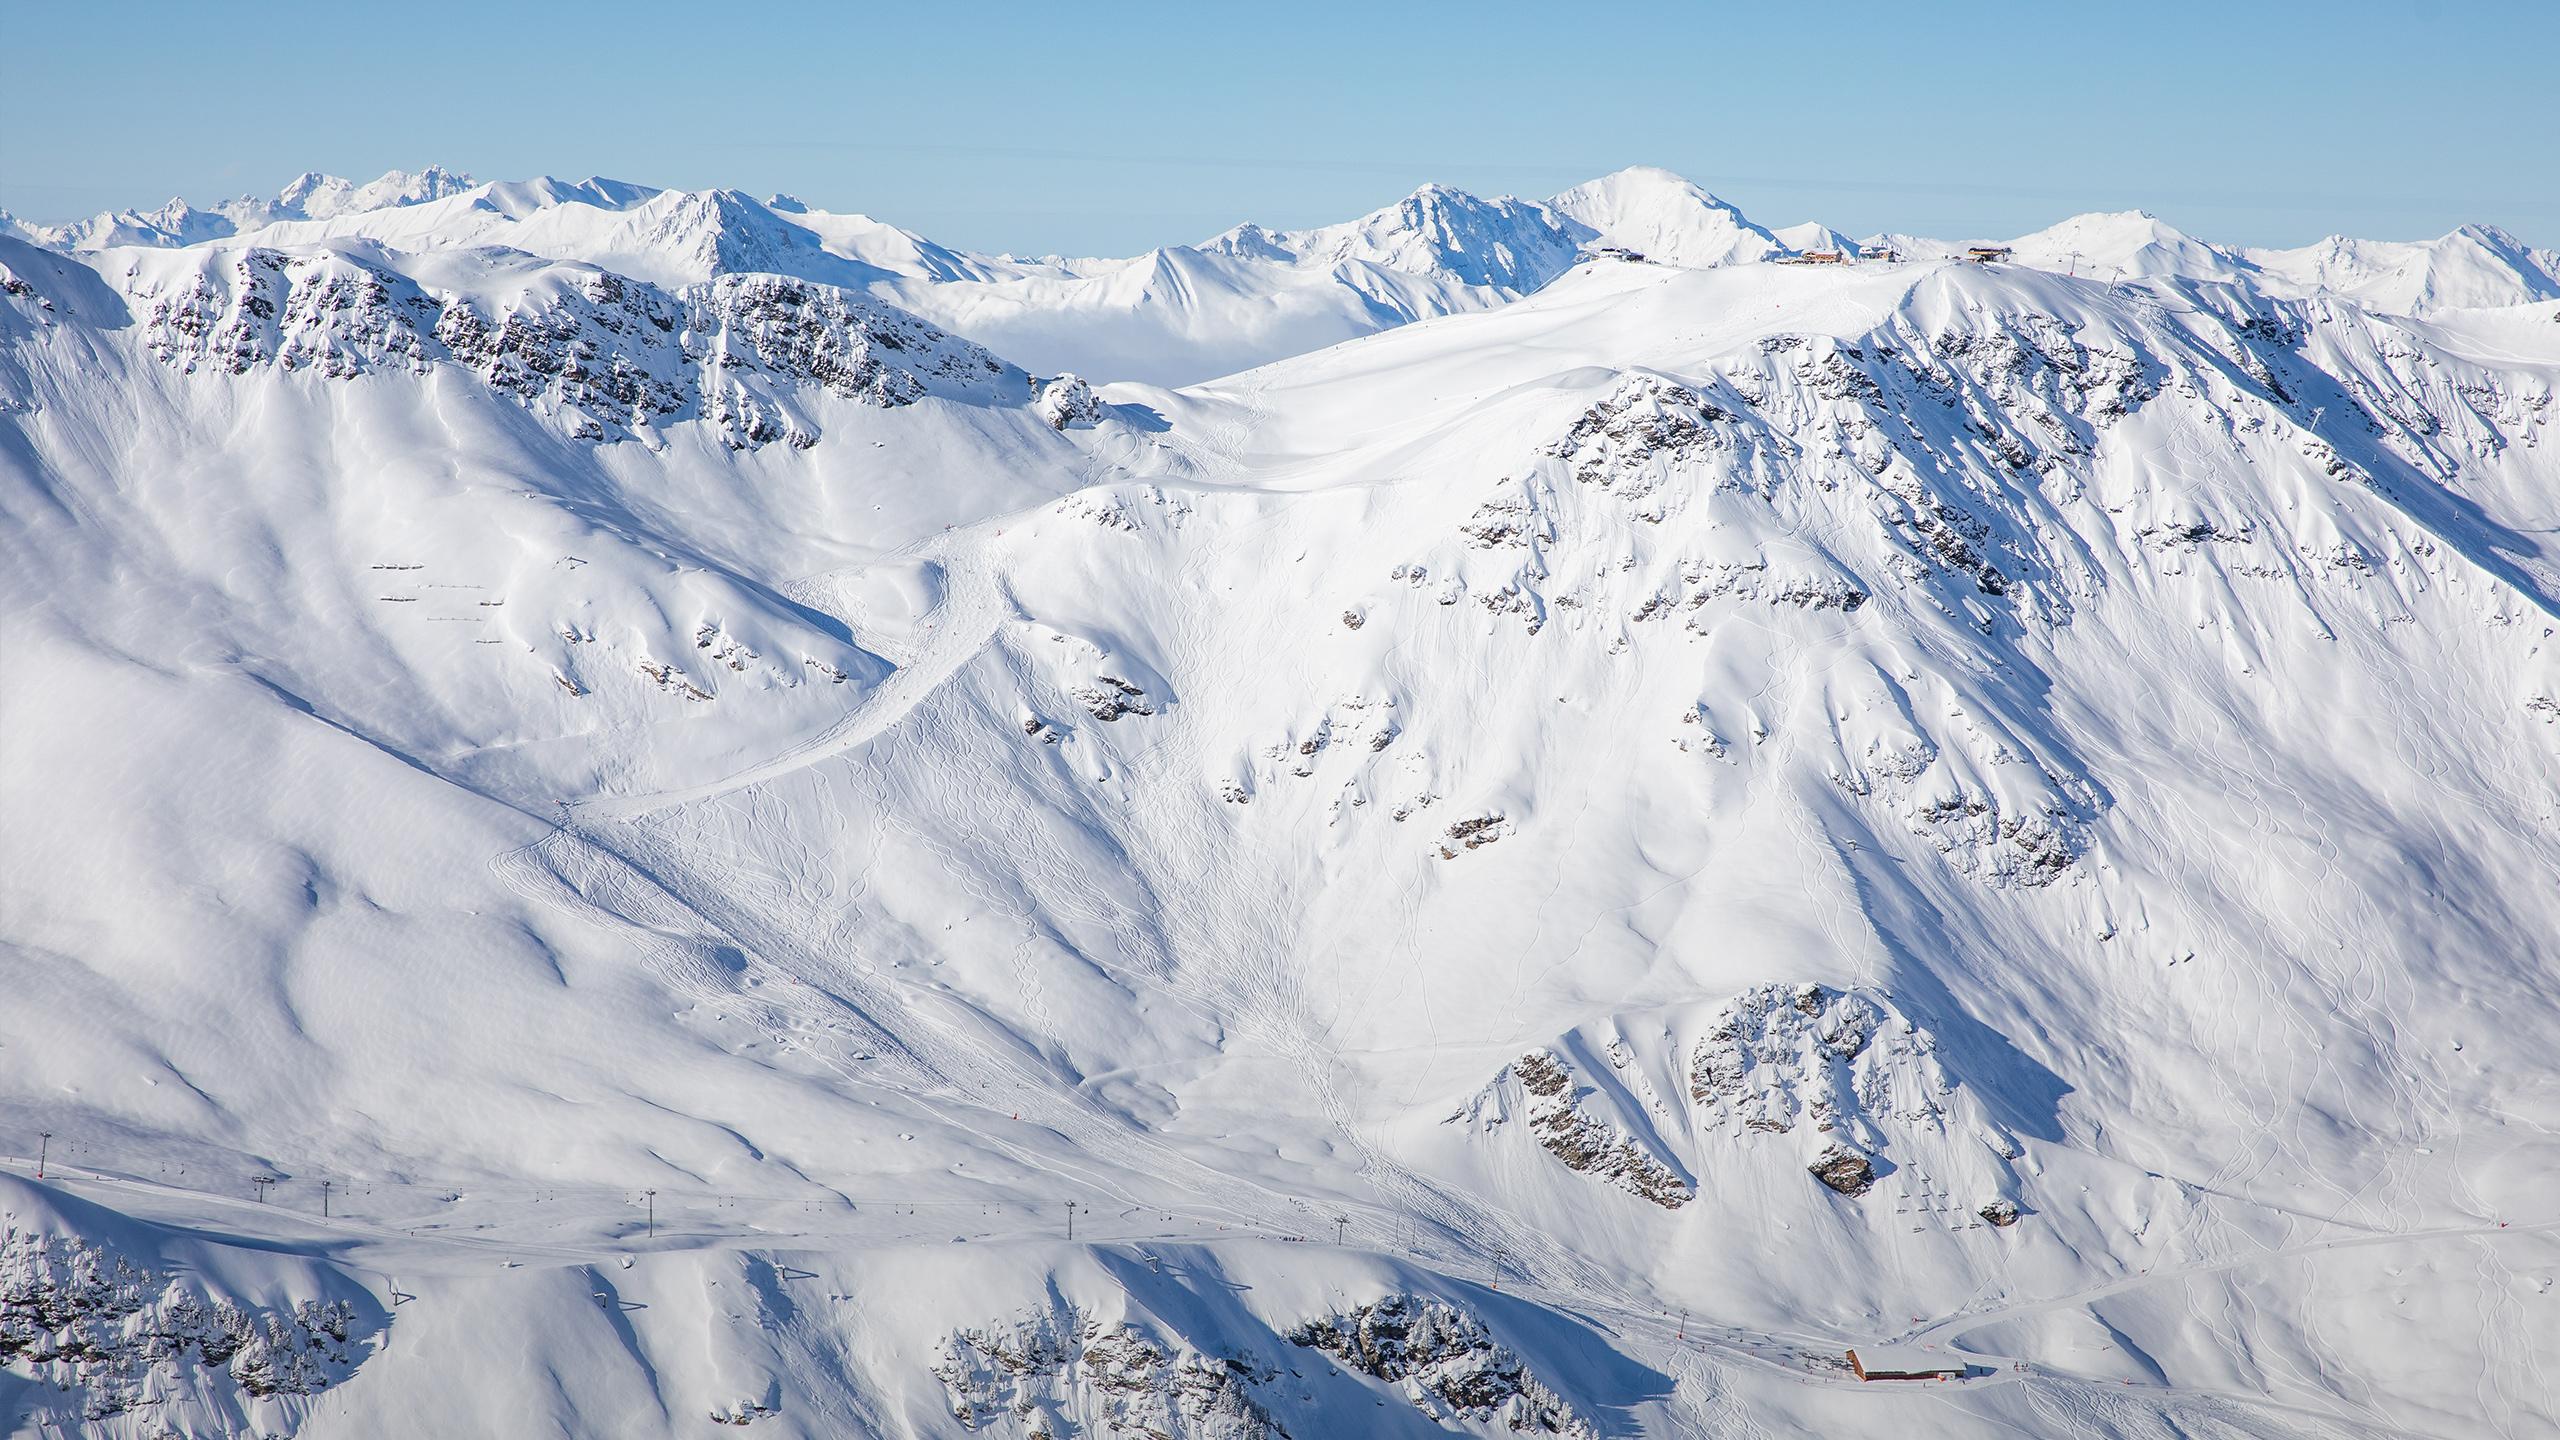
(662, 748)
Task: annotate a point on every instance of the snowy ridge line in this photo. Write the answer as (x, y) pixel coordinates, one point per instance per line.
(611, 358)
(1184, 314)
(972, 608)
(1989, 785)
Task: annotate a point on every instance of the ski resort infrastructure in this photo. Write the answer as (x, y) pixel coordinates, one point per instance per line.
(635, 810)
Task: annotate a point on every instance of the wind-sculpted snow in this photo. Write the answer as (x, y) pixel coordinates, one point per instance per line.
(1699, 815)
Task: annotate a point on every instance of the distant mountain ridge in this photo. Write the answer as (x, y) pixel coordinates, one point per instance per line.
(308, 196)
(1621, 818)
(1180, 314)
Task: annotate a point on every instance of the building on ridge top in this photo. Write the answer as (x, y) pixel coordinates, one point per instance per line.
(1903, 1362)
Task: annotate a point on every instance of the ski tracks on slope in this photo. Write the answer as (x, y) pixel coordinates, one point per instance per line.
(965, 623)
(630, 865)
(1951, 1332)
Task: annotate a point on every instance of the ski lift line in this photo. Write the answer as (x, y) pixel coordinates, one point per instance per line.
(1198, 1228)
(541, 1193)
(930, 1102)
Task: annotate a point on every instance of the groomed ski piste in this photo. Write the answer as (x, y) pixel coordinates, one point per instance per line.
(1508, 818)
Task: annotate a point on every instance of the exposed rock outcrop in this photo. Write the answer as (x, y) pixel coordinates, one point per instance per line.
(1631, 442)
(1443, 1357)
(1846, 1077)
(1473, 833)
(1067, 401)
(1779, 1055)
(77, 1315)
(609, 355)
(1066, 1374)
(1843, 1169)
(1587, 1144)
(1108, 697)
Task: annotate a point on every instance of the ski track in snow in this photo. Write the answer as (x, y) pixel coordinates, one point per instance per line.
(1166, 1008)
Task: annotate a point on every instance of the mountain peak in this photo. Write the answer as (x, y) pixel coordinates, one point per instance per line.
(1666, 218)
(2481, 233)
(2124, 242)
(1504, 243)
(1648, 181)
(312, 195)
(1635, 175)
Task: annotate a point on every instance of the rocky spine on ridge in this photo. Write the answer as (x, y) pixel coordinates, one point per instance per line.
(611, 356)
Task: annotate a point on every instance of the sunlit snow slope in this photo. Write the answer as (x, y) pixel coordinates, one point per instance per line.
(1181, 314)
(1546, 870)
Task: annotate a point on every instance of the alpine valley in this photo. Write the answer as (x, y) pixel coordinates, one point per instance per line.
(634, 810)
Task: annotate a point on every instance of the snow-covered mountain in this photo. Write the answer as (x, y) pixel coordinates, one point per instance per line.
(2131, 245)
(1174, 315)
(1667, 219)
(2475, 267)
(1184, 314)
(309, 196)
(1505, 244)
(1814, 237)
(739, 848)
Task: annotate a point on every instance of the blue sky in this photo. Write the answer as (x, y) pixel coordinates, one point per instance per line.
(1105, 128)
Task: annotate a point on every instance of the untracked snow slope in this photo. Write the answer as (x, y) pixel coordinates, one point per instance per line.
(1545, 870)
